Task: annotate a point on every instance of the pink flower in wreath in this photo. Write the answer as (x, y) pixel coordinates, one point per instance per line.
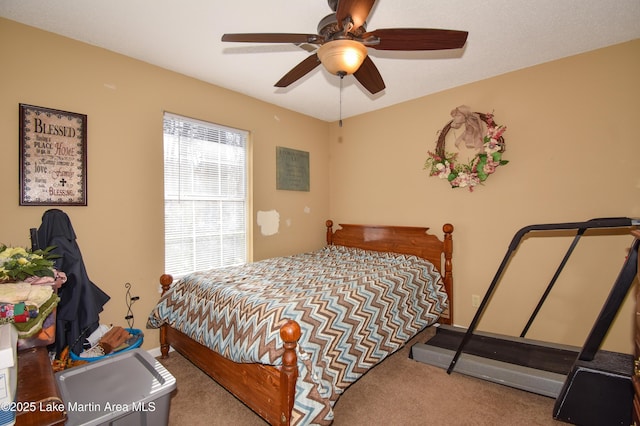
(490, 167)
(443, 170)
(466, 179)
(495, 132)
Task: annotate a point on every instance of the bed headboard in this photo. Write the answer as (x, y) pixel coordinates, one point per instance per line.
(402, 239)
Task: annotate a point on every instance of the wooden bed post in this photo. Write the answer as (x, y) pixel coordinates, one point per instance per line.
(447, 228)
(290, 334)
(166, 281)
(329, 225)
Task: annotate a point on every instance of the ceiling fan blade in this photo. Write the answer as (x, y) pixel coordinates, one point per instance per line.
(299, 71)
(369, 76)
(358, 10)
(274, 38)
(416, 39)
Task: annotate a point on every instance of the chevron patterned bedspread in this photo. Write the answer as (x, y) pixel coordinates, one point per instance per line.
(355, 307)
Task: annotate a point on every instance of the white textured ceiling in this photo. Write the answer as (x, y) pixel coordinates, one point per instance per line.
(184, 36)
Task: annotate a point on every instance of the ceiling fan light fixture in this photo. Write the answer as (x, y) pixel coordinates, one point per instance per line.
(342, 56)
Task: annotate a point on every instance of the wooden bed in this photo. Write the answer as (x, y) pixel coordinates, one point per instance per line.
(269, 390)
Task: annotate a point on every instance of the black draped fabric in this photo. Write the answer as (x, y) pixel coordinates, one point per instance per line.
(81, 301)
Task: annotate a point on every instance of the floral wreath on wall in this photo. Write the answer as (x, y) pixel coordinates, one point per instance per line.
(489, 146)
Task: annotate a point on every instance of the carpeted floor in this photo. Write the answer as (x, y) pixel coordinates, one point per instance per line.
(397, 391)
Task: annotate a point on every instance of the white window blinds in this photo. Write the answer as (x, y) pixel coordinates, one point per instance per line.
(205, 195)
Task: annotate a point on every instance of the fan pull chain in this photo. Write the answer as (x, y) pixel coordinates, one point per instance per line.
(341, 75)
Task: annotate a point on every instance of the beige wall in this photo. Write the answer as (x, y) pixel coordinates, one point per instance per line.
(570, 141)
(120, 232)
(573, 147)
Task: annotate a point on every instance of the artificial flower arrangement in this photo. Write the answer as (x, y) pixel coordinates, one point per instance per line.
(19, 264)
(489, 146)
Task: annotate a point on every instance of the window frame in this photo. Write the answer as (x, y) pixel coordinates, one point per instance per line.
(196, 202)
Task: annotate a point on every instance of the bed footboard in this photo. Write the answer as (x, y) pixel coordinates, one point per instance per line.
(267, 390)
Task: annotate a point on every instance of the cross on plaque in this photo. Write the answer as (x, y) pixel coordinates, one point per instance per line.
(62, 181)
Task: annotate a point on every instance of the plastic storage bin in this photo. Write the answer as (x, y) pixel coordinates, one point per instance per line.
(8, 373)
(130, 388)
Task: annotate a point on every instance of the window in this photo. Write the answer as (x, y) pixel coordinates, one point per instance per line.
(205, 195)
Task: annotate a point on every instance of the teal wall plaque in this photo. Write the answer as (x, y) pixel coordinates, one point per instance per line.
(292, 169)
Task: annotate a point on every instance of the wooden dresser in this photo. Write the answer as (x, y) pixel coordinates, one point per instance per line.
(37, 393)
(636, 376)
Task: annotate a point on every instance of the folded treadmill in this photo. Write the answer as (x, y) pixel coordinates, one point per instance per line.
(591, 386)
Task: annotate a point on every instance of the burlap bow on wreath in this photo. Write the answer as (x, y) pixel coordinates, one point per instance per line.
(490, 147)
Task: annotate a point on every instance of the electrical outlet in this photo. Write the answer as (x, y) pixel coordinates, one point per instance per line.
(475, 300)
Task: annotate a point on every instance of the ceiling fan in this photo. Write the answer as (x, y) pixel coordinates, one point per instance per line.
(343, 41)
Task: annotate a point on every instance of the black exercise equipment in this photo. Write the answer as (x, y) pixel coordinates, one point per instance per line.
(591, 386)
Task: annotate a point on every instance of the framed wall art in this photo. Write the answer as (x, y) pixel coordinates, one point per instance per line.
(292, 169)
(53, 157)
